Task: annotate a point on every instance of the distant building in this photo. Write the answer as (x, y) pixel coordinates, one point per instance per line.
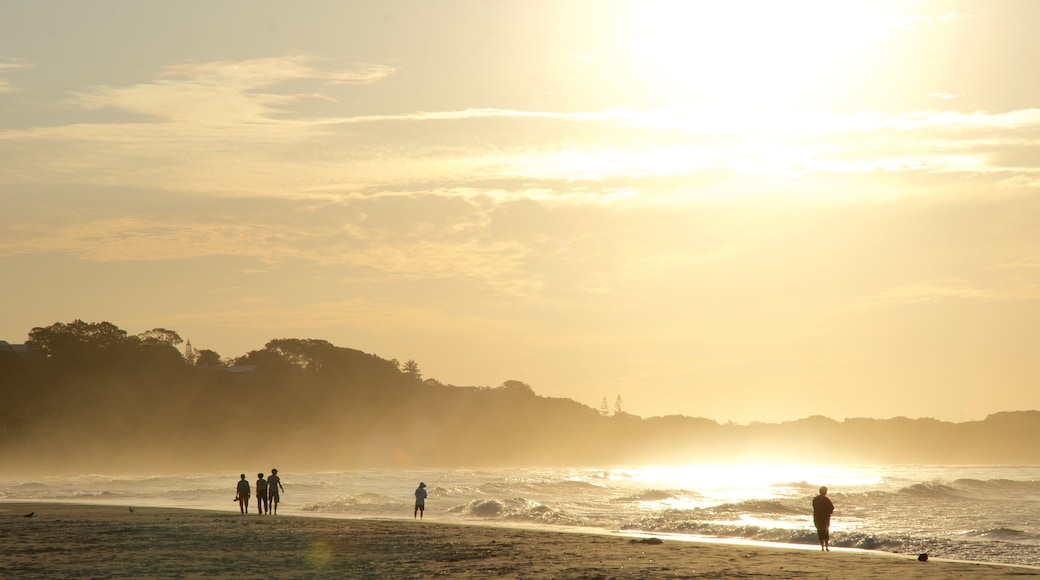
(18, 348)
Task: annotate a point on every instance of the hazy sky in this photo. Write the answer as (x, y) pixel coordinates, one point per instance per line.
(747, 211)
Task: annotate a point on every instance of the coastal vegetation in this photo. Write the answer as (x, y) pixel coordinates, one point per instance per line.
(83, 395)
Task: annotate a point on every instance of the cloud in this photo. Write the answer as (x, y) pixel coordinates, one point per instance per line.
(448, 241)
(926, 292)
(492, 113)
(702, 120)
(138, 238)
(213, 127)
(362, 74)
(5, 85)
(366, 315)
(223, 92)
(917, 22)
(244, 128)
(953, 290)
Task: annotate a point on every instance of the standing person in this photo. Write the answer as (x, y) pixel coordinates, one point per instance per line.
(274, 485)
(242, 495)
(420, 500)
(822, 508)
(261, 495)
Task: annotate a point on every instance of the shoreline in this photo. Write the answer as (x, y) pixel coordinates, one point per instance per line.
(76, 540)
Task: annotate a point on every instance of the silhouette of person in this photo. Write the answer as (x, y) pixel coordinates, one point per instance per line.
(261, 495)
(822, 508)
(242, 495)
(274, 485)
(420, 500)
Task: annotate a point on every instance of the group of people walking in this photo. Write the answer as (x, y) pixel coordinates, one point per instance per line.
(268, 493)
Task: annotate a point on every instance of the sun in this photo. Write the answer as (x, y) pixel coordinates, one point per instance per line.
(751, 54)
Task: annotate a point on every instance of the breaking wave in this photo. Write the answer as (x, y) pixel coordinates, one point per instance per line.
(515, 509)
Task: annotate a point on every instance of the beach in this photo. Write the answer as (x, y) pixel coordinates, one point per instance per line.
(63, 540)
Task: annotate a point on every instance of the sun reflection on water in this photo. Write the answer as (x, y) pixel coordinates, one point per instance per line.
(716, 484)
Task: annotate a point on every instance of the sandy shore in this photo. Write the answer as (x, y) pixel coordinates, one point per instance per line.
(89, 541)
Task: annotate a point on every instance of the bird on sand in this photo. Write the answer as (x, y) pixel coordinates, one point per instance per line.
(131, 509)
(29, 515)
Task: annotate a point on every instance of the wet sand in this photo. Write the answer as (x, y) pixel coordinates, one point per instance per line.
(91, 541)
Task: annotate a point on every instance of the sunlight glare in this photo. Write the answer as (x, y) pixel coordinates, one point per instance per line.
(733, 483)
(750, 53)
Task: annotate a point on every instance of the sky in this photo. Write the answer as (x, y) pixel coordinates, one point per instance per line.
(744, 211)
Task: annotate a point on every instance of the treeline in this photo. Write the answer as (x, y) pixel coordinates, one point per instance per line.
(89, 396)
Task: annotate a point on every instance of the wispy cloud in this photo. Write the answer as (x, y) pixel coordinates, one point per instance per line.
(919, 21)
(364, 314)
(224, 92)
(951, 290)
(5, 66)
(493, 113)
(926, 292)
(233, 128)
(372, 253)
(135, 238)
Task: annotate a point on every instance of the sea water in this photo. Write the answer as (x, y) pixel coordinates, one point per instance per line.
(979, 513)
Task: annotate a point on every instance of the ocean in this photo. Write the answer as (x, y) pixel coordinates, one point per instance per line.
(977, 513)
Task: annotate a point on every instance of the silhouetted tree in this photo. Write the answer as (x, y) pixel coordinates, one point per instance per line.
(208, 358)
(412, 368)
(519, 387)
(160, 336)
(266, 360)
(81, 345)
(75, 339)
(306, 353)
(344, 408)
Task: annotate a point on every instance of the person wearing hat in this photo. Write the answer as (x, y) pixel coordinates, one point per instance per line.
(822, 509)
(420, 500)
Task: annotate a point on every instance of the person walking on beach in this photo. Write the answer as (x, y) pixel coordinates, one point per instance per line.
(420, 500)
(274, 485)
(242, 495)
(822, 508)
(261, 495)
